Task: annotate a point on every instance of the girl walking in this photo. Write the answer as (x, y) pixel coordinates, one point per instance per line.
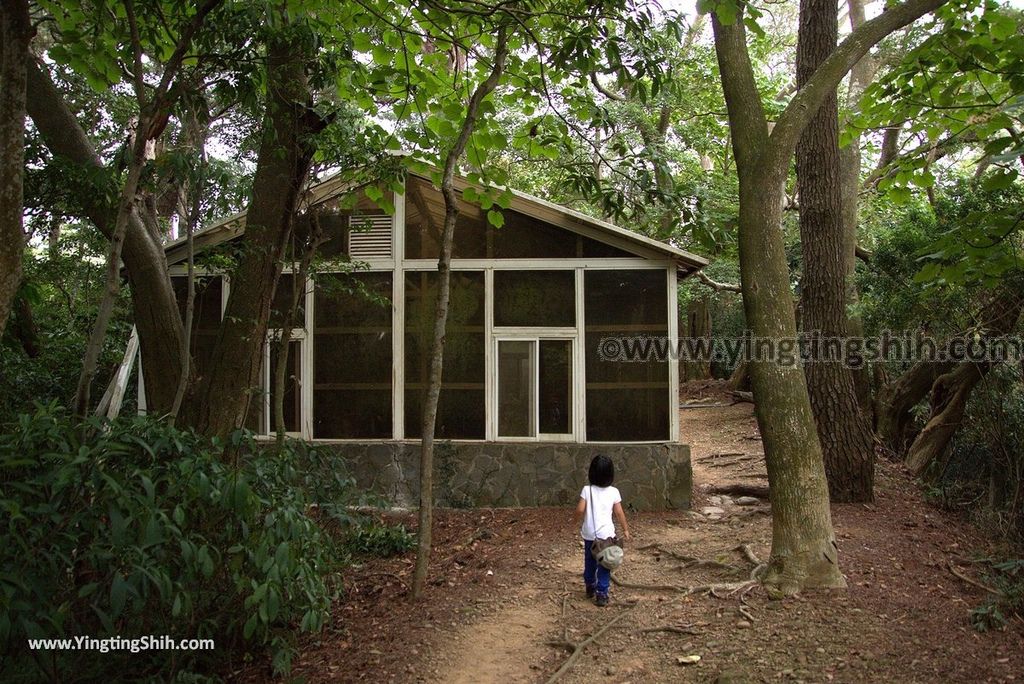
(599, 501)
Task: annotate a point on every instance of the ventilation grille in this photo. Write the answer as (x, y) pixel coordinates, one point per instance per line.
(369, 237)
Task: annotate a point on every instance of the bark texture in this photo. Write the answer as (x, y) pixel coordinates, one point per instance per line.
(804, 552)
(828, 257)
(286, 150)
(15, 33)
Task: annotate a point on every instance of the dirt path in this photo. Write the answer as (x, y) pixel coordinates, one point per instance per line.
(501, 578)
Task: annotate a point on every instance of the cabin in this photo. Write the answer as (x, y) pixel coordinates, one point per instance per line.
(528, 394)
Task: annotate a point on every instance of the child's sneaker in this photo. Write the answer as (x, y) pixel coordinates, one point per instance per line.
(601, 601)
(590, 591)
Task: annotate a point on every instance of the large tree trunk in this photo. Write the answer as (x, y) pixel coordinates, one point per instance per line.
(154, 307)
(804, 552)
(451, 213)
(222, 399)
(828, 255)
(15, 33)
(897, 399)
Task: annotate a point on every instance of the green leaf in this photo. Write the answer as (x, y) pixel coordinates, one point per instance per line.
(496, 218)
(1000, 180)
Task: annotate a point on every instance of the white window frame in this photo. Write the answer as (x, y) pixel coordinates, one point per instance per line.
(535, 336)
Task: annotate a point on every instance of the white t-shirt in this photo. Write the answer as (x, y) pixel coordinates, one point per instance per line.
(602, 499)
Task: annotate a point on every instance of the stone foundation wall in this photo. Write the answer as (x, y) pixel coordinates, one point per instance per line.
(499, 474)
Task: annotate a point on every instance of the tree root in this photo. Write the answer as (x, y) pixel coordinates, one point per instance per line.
(576, 648)
(689, 561)
(965, 578)
(714, 588)
(671, 629)
(740, 489)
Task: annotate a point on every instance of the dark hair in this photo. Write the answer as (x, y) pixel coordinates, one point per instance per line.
(602, 471)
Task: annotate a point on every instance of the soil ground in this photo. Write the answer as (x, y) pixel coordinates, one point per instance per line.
(506, 583)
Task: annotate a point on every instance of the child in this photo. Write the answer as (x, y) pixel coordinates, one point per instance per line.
(598, 524)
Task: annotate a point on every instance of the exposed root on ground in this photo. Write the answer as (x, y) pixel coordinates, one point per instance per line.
(671, 629)
(576, 648)
(965, 578)
(740, 489)
(713, 589)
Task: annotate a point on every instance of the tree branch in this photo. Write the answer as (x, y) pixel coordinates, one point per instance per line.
(803, 106)
(715, 285)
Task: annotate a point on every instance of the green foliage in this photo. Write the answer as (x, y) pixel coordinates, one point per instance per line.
(961, 84)
(144, 529)
(1007, 577)
(374, 538)
(979, 236)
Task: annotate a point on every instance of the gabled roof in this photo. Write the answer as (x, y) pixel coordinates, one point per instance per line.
(687, 263)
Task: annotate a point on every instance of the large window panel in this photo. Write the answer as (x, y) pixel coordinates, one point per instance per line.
(460, 412)
(352, 356)
(626, 400)
(524, 237)
(555, 390)
(535, 298)
(424, 221)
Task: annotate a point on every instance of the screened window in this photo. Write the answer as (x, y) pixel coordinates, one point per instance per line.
(460, 413)
(352, 356)
(626, 401)
(336, 220)
(520, 237)
(424, 221)
(535, 298)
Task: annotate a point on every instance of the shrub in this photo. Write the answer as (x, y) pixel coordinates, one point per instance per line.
(373, 538)
(1006, 577)
(142, 529)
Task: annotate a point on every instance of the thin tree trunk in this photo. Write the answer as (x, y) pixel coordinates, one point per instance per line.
(828, 255)
(451, 212)
(191, 222)
(286, 151)
(849, 165)
(15, 33)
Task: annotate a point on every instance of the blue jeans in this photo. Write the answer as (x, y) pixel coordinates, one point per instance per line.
(594, 574)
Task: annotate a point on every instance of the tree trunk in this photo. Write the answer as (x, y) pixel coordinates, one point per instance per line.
(897, 399)
(950, 394)
(154, 308)
(804, 552)
(15, 33)
(451, 213)
(952, 390)
(740, 378)
(828, 255)
(286, 151)
(698, 325)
